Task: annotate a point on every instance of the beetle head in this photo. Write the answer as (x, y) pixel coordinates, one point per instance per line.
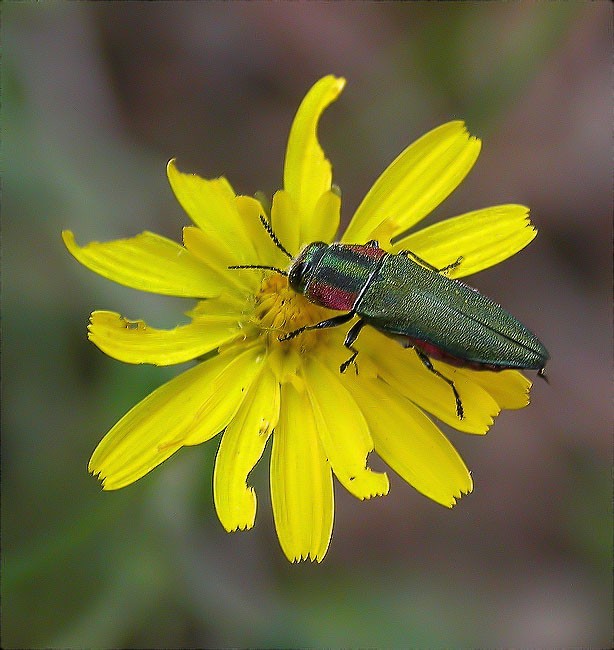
(304, 265)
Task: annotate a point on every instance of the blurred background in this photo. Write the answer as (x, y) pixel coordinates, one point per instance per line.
(96, 97)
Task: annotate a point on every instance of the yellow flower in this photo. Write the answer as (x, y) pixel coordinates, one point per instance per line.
(252, 386)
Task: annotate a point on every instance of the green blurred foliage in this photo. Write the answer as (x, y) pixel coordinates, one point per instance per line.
(95, 98)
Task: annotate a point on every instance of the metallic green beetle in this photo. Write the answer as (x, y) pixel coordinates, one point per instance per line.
(406, 298)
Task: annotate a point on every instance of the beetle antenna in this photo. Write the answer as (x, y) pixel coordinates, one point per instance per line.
(258, 266)
(273, 236)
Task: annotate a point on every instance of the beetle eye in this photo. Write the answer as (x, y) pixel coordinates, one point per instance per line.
(297, 273)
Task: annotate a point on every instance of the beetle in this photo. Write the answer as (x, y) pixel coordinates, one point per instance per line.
(406, 298)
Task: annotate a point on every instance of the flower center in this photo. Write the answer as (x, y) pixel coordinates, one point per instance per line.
(280, 310)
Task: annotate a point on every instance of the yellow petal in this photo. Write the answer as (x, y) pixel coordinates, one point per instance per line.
(509, 388)
(229, 305)
(483, 238)
(215, 254)
(416, 182)
(147, 262)
(285, 221)
(209, 248)
(301, 481)
(221, 399)
(343, 431)
(410, 443)
(241, 447)
(268, 253)
(182, 411)
(133, 341)
(211, 206)
(307, 172)
(403, 370)
(324, 222)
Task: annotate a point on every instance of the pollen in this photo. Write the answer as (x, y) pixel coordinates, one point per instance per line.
(279, 310)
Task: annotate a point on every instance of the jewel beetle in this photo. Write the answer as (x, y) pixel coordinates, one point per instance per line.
(408, 299)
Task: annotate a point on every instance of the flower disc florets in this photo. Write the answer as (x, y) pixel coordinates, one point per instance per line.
(279, 311)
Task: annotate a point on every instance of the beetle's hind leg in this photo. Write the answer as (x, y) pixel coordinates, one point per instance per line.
(429, 366)
(351, 336)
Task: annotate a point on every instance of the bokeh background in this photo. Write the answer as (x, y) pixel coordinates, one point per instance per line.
(96, 97)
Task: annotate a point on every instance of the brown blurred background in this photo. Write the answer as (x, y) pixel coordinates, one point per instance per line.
(96, 98)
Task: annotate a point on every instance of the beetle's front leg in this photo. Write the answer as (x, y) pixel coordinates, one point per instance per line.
(351, 336)
(329, 322)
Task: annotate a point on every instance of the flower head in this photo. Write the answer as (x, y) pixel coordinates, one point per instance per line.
(252, 386)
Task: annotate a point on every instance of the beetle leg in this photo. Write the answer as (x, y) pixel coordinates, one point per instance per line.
(413, 256)
(542, 373)
(351, 336)
(373, 243)
(444, 269)
(329, 322)
(427, 362)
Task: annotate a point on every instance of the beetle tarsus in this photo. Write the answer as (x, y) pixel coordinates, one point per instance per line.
(445, 269)
(350, 337)
(291, 335)
(346, 364)
(542, 373)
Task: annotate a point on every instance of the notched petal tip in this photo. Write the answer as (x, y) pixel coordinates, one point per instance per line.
(328, 83)
(367, 484)
(457, 495)
(238, 528)
(236, 511)
(478, 425)
(464, 490)
(96, 472)
(461, 127)
(510, 389)
(307, 557)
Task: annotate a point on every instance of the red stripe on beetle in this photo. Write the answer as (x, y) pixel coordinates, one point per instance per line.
(331, 297)
(435, 352)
